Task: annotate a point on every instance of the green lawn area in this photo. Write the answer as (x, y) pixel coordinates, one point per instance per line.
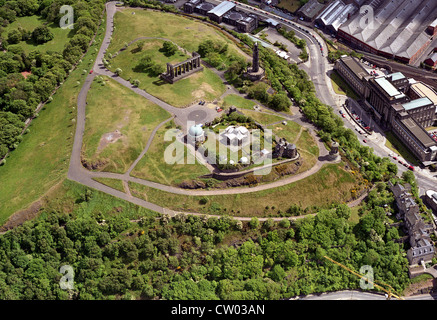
(70, 196)
(61, 36)
(42, 158)
(290, 5)
(329, 185)
(264, 117)
(238, 101)
(112, 108)
(398, 147)
(341, 87)
(154, 167)
(112, 183)
(289, 131)
(188, 33)
(203, 84)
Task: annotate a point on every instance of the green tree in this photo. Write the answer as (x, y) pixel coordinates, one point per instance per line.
(42, 34)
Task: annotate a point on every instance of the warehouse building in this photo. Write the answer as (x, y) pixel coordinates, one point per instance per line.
(216, 14)
(224, 12)
(310, 10)
(335, 15)
(399, 30)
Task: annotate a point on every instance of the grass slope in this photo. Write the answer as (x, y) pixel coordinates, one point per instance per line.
(329, 185)
(113, 107)
(42, 158)
(154, 167)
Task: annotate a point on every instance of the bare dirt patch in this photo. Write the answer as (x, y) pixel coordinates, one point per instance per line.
(20, 217)
(201, 92)
(108, 138)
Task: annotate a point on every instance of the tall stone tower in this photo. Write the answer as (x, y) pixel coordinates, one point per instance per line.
(255, 58)
(255, 72)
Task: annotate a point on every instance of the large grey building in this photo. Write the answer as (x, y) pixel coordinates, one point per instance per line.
(403, 105)
(224, 12)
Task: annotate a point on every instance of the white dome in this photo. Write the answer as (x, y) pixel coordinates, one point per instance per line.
(195, 131)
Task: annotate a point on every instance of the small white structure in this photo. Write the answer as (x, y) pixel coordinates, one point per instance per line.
(236, 135)
(244, 160)
(196, 133)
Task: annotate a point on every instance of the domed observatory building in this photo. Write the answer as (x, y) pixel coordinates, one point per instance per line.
(196, 134)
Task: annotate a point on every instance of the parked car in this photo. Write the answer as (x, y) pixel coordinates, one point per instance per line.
(364, 140)
(411, 168)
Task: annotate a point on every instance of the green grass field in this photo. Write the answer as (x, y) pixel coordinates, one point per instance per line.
(113, 108)
(154, 167)
(42, 158)
(61, 36)
(264, 118)
(290, 5)
(112, 183)
(329, 185)
(238, 101)
(289, 131)
(204, 84)
(188, 33)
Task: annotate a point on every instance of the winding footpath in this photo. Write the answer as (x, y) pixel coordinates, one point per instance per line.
(79, 174)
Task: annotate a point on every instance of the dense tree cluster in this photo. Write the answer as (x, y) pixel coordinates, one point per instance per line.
(194, 257)
(19, 96)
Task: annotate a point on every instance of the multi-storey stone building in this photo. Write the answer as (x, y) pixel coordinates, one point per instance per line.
(402, 105)
(422, 249)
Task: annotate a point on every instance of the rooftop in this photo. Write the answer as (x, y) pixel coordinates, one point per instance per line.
(222, 8)
(355, 66)
(396, 76)
(418, 133)
(387, 86)
(418, 103)
(423, 90)
(311, 8)
(398, 26)
(336, 14)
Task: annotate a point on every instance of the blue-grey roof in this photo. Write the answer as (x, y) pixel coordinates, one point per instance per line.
(387, 86)
(421, 102)
(396, 76)
(222, 8)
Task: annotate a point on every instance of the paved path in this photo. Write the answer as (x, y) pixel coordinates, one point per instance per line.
(78, 173)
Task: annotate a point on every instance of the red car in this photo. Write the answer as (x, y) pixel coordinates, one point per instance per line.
(219, 110)
(411, 168)
(91, 71)
(364, 140)
(343, 115)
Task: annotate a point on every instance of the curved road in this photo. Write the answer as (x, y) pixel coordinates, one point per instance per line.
(316, 67)
(78, 173)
